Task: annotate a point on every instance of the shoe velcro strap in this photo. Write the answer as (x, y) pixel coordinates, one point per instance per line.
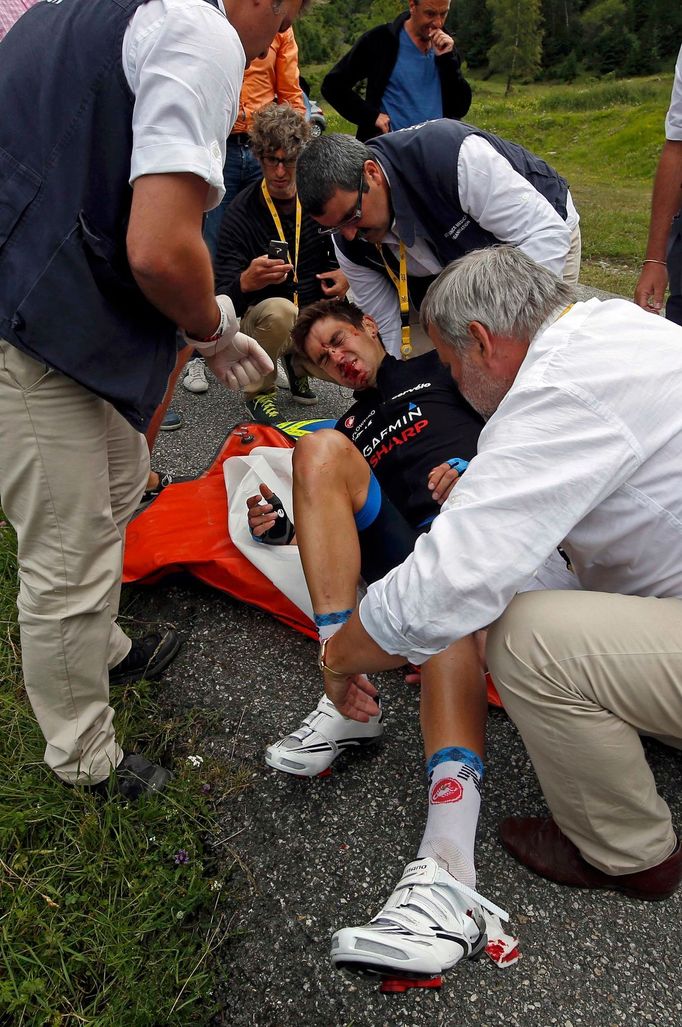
(427, 871)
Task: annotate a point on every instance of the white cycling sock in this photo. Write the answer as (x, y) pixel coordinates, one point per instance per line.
(455, 776)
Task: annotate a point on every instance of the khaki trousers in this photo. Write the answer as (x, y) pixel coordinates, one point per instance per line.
(582, 675)
(572, 265)
(269, 323)
(72, 471)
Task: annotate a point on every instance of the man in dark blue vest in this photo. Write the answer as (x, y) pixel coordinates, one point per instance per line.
(407, 203)
(112, 143)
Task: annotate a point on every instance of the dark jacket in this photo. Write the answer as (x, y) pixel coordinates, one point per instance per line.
(246, 229)
(67, 294)
(373, 58)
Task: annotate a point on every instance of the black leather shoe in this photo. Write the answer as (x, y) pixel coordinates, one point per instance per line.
(540, 845)
(148, 657)
(134, 776)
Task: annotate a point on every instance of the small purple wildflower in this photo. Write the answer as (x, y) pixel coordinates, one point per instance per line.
(181, 856)
(206, 788)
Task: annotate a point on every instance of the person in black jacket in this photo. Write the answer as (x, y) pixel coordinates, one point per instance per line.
(413, 73)
(267, 291)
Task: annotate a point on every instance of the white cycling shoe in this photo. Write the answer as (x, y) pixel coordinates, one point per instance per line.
(430, 923)
(324, 734)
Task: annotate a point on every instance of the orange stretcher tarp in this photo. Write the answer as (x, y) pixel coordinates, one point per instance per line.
(185, 529)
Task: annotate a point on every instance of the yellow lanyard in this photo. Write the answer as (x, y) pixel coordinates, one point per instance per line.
(278, 225)
(401, 285)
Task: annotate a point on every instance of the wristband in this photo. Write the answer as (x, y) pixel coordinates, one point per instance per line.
(650, 260)
(217, 333)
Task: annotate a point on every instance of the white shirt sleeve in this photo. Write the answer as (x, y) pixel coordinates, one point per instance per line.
(673, 121)
(530, 484)
(506, 204)
(375, 295)
(184, 63)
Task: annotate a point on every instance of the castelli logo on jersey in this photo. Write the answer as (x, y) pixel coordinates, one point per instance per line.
(349, 422)
(447, 790)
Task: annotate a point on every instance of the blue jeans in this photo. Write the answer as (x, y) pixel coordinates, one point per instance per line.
(241, 168)
(673, 308)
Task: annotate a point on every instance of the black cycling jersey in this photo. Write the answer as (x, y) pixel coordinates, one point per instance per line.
(412, 419)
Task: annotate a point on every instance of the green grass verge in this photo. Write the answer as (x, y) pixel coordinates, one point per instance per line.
(110, 913)
(604, 137)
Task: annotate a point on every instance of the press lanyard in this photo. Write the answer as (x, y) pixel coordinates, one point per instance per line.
(401, 285)
(278, 225)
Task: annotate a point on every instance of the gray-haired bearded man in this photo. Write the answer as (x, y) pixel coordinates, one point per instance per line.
(582, 449)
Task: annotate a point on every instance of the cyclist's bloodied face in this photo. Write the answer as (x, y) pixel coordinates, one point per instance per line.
(348, 355)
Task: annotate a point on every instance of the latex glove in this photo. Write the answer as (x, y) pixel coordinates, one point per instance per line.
(240, 362)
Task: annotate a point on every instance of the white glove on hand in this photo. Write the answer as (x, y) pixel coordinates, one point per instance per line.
(235, 359)
(242, 362)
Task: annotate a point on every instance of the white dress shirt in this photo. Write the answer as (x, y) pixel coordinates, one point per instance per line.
(585, 451)
(673, 121)
(184, 63)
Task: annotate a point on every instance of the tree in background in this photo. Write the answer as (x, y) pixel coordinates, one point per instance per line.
(472, 26)
(517, 51)
(609, 46)
(615, 37)
(562, 40)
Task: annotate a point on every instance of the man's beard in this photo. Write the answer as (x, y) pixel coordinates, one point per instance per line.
(481, 392)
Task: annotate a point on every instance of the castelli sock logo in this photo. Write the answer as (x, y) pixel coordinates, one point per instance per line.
(447, 790)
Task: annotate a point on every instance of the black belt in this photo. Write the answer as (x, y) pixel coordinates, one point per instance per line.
(239, 138)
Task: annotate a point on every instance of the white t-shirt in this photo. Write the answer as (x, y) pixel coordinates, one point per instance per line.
(673, 121)
(585, 451)
(502, 202)
(184, 63)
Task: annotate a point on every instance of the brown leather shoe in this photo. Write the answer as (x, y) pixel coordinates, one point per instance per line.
(538, 843)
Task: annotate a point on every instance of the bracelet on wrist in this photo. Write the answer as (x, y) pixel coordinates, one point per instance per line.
(214, 336)
(650, 260)
(324, 667)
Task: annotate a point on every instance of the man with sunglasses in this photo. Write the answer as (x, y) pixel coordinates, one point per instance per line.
(268, 291)
(403, 206)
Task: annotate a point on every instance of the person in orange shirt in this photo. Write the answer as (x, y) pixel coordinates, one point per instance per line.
(273, 77)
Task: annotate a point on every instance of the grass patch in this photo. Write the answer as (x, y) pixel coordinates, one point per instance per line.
(110, 913)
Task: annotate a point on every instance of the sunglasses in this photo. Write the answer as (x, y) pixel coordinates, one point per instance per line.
(353, 218)
(271, 161)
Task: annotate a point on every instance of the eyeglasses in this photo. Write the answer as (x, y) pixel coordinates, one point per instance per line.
(353, 218)
(271, 161)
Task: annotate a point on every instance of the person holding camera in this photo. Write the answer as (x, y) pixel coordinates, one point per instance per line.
(271, 259)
